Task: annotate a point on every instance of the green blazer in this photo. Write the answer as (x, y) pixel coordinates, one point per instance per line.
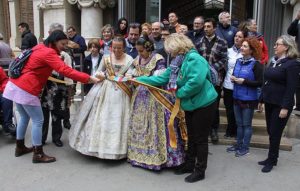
(194, 88)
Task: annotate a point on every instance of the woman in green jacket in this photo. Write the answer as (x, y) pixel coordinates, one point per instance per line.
(189, 77)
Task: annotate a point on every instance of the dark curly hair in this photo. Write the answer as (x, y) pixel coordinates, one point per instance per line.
(146, 42)
(255, 46)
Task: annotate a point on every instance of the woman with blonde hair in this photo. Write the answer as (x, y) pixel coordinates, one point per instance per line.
(281, 79)
(189, 78)
(146, 29)
(107, 34)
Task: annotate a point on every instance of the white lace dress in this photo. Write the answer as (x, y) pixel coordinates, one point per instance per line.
(101, 125)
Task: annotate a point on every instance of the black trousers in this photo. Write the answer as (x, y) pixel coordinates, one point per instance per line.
(198, 124)
(275, 127)
(55, 102)
(228, 102)
(298, 97)
(216, 121)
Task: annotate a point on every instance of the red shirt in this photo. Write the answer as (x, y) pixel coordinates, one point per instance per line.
(3, 80)
(39, 67)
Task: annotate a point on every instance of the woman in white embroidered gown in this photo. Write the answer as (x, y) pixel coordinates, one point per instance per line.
(101, 124)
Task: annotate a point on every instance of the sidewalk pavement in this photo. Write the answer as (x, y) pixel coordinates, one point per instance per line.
(74, 171)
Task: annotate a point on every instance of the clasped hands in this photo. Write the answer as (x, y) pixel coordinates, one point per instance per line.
(237, 80)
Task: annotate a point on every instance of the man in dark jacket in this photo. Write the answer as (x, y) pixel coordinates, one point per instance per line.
(294, 30)
(214, 50)
(225, 30)
(197, 33)
(133, 35)
(73, 36)
(28, 39)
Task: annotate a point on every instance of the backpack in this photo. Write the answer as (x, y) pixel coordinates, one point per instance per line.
(16, 66)
(214, 76)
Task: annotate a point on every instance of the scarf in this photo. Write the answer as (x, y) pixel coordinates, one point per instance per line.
(175, 68)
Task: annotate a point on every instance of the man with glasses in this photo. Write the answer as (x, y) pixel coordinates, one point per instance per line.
(197, 33)
(133, 35)
(164, 34)
(225, 30)
(73, 36)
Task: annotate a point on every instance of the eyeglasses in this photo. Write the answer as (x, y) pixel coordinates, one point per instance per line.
(198, 23)
(277, 44)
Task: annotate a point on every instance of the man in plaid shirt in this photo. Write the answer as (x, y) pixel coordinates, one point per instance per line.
(214, 50)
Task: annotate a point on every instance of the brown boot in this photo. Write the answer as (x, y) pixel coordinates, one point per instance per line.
(40, 157)
(21, 149)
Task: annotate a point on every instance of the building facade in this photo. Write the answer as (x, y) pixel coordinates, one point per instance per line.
(88, 16)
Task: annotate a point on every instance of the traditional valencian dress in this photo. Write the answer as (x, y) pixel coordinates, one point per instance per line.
(100, 127)
(148, 136)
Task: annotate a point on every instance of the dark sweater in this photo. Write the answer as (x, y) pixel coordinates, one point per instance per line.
(28, 40)
(281, 82)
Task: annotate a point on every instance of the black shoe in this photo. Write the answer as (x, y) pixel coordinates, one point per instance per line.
(184, 168)
(214, 136)
(267, 168)
(195, 176)
(6, 132)
(12, 129)
(67, 124)
(267, 161)
(58, 143)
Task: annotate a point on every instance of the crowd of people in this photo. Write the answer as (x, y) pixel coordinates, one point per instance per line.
(152, 91)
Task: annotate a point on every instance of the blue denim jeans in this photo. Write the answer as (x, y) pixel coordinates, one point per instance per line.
(34, 113)
(243, 117)
(7, 109)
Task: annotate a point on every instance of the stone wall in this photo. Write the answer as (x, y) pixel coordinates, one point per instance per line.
(26, 13)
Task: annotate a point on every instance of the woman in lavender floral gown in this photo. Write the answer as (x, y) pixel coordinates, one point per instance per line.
(148, 135)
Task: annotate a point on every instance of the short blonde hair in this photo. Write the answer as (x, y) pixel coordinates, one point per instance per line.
(290, 43)
(148, 25)
(107, 27)
(178, 44)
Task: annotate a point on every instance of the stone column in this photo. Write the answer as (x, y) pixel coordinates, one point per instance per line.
(91, 22)
(51, 11)
(91, 17)
(296, 6)
(14, 11)
(38, 20)
(2, 30)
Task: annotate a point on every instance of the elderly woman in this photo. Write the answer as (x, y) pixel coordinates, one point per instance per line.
(281, 78)
(24, 91)
(234, 53)
(148, 140)
(100, 129)
(107, 34)
(189, 76)
(247, 76)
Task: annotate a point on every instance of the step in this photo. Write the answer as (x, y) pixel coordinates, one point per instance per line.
(256, 114)
(258, 141)
(258, 126)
